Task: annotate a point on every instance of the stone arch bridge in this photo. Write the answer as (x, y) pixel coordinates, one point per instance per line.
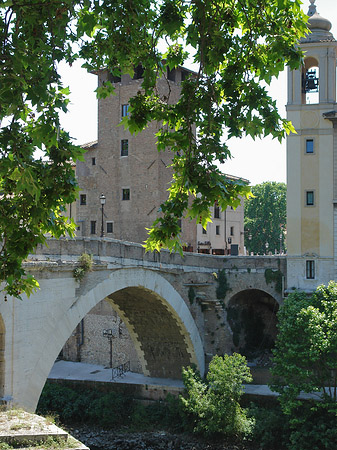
(178, 310)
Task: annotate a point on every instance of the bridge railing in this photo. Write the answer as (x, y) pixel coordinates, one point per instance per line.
(120, 370)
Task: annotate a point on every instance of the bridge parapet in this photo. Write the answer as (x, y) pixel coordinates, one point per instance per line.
(111, 251)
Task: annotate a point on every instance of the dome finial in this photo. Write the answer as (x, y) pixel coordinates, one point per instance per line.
(312, 8)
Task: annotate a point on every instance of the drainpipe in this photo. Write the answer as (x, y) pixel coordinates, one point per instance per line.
(80, 339)
(225, 215)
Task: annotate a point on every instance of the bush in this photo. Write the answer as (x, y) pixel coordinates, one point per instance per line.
(79, 406)
(213, 405)
(313, 426)
(84, 265)
(271, 429)
(75, 405)
(305, 360)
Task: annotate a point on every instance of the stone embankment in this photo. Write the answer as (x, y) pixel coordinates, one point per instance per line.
(100, 439)
(22, 430)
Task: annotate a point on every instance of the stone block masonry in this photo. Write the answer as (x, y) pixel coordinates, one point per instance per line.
(169, 327)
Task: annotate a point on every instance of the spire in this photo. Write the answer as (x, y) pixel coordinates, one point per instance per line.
(312, 8)
(318, 25)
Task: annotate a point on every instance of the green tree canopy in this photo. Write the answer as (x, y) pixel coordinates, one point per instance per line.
(266, 217)
(238, 46)
(305, 361)
(305, 354)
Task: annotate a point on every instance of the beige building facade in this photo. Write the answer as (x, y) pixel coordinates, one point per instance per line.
(312, 161)
(225, 234)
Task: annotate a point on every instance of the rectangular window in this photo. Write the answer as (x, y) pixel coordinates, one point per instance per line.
(93, 227)
(232, 231)
(179, 224)
(216, 212)
(204, 231)
(310, 270)
(184, 75)
(114, 78)
(309, 146)
(217, 230)
(310, 200)
(125, 194)
(125, 110)
(83, 199)
(109, 227)
(124, 147)
(171, 74)
(139, 72)
(93, 161)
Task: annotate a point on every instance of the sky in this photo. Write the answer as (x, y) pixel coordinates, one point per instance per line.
(258, 161)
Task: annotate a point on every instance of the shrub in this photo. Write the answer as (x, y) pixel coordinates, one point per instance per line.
(305, 360)
(271, 428)
(313, 426)
(76, 405)
(213, 405)
(84, 266)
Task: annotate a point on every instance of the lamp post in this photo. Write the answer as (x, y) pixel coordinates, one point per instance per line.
(102, 200)
(249, 235)
(281, 235)
(267, 246)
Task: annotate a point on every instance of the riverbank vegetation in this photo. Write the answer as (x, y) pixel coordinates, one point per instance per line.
(80, 408)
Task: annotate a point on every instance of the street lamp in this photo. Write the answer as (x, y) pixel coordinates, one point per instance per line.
(267, 246)
(102, 200)
(281, 235)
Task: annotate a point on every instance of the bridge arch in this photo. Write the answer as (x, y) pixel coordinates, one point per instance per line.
(122, 287)
(251, 314)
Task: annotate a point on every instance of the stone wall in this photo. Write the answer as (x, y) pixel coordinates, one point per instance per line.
(88, 345)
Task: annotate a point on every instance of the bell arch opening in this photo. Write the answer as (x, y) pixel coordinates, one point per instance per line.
(251, 315)
(310, 81)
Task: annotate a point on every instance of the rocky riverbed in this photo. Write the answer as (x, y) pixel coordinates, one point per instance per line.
(100, 439)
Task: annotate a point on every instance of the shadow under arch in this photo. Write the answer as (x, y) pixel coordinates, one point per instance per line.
(251, 315)
(119, 288)
(157, 331)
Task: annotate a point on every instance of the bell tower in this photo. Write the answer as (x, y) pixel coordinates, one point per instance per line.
(312, 160)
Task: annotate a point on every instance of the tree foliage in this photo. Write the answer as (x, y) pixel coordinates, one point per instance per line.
(266, 217)
(305, 361)
(305, 354)
(237, 45)
(214, 404)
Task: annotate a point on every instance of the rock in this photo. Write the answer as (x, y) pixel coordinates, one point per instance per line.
(99, 439)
